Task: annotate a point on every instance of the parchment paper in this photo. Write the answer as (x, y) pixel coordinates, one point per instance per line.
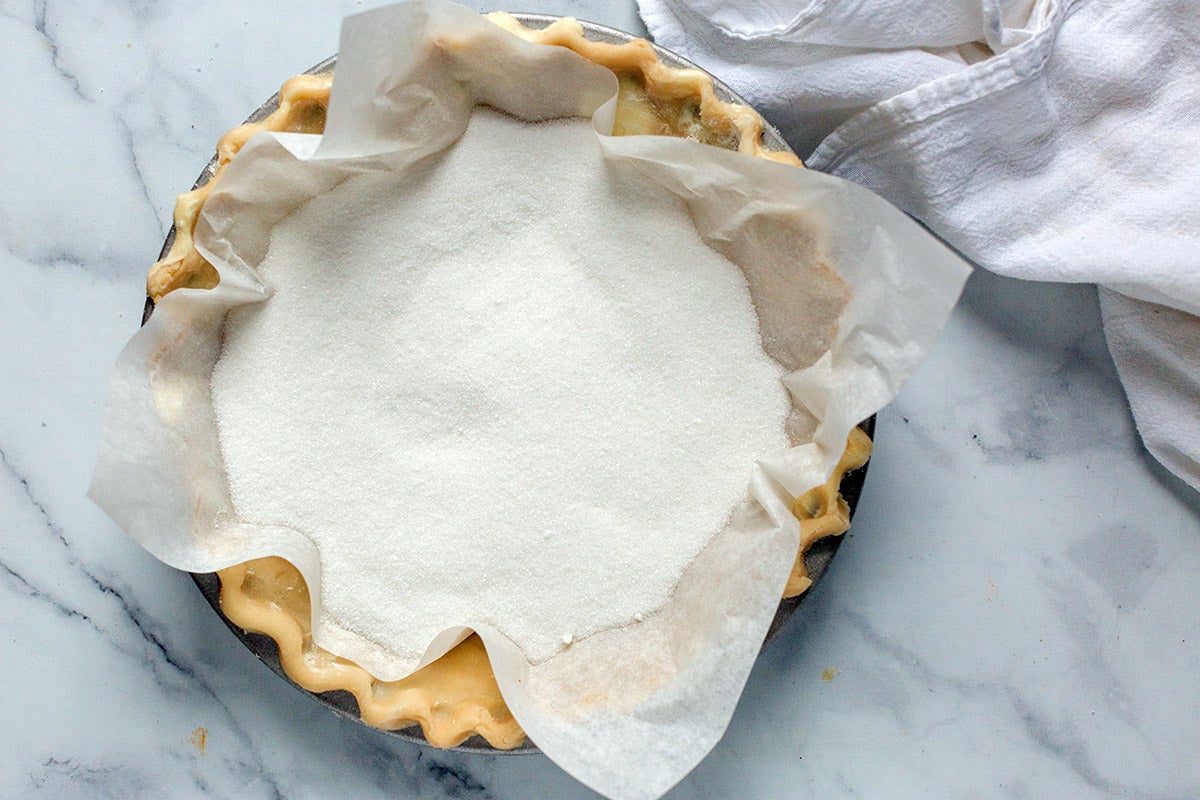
(850, 294)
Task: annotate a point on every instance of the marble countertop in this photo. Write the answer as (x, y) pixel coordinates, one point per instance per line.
(1015, 613)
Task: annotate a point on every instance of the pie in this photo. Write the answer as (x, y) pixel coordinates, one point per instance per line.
(457, 696)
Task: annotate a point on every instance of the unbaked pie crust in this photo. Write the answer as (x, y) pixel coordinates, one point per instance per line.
(456, 696)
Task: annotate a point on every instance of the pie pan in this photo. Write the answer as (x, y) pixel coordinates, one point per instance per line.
(342, 702)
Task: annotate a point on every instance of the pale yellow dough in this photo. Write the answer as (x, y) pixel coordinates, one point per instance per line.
(457, 696)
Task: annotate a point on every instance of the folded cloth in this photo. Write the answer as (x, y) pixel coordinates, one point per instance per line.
(1050, 140)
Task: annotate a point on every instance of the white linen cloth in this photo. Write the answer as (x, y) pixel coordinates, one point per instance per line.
(1052, 140)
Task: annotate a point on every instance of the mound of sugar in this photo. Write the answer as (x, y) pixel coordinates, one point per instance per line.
(510, 386)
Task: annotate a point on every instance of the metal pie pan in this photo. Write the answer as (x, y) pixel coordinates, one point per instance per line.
(342, 702)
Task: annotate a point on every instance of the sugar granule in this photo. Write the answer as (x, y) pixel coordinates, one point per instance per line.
(510, 386)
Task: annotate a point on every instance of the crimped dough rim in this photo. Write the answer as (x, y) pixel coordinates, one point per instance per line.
(304, 98)
(457, 697)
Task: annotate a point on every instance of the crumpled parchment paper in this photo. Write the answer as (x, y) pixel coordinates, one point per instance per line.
(850, 294)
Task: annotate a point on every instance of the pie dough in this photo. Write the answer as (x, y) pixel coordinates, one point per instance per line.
(457, 696)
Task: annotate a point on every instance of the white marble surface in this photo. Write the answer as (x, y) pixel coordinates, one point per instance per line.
(1015, 613)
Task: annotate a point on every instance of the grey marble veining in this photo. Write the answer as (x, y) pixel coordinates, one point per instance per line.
(1016, 612)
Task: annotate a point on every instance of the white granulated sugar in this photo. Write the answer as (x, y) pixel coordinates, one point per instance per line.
(511, 386)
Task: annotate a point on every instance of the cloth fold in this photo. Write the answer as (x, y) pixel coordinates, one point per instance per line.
(1052, 140)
